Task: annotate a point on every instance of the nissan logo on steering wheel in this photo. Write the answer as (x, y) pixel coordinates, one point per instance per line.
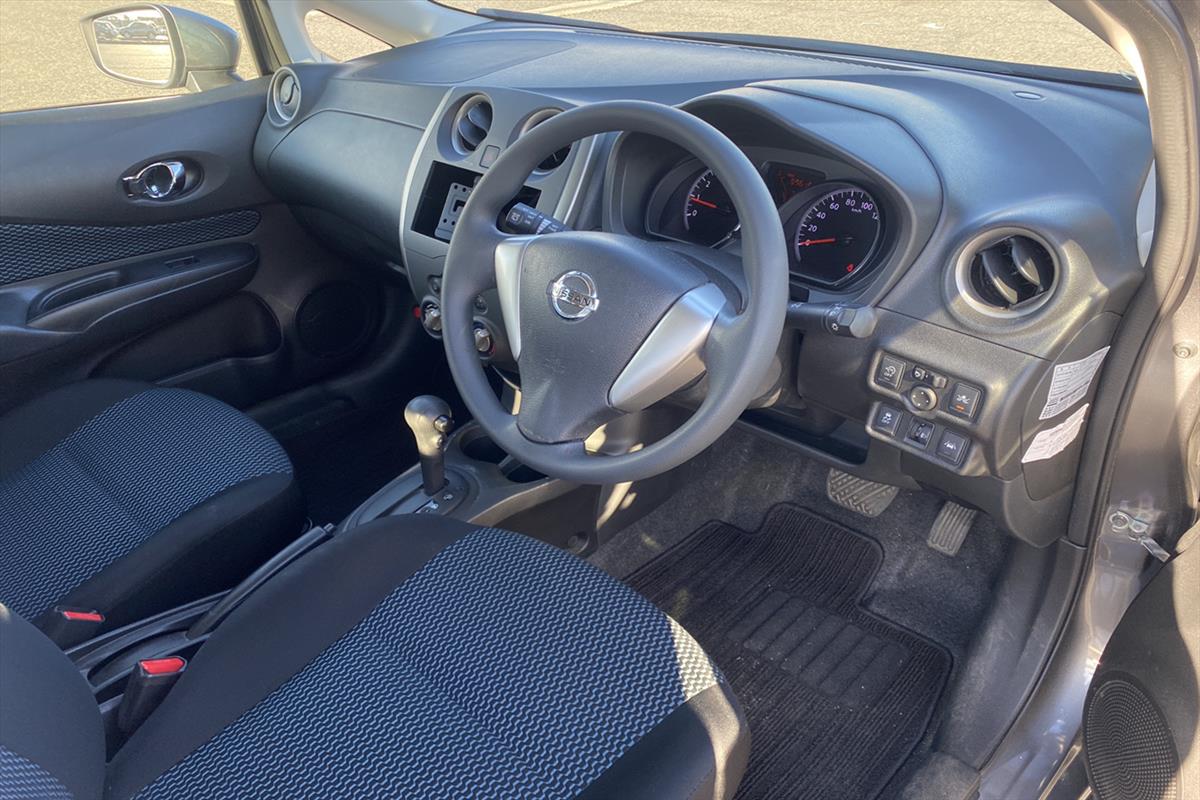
(573, 295)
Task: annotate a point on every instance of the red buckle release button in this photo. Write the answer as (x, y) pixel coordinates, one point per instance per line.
(81, 616)
(162, 666)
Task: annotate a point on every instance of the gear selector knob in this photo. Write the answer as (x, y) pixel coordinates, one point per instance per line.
(431, 422)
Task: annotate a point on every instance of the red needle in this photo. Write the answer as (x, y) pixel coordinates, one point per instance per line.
(807, 242)
(695, 199)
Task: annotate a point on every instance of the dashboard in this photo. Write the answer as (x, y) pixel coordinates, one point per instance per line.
(987, 224)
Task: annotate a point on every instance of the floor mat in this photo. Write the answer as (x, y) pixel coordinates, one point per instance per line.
(836, 698)
(342, 463)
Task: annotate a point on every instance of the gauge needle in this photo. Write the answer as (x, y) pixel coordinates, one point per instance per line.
(704, 203)
(807, 242)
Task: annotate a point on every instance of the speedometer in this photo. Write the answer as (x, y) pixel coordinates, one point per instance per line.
(838, 234)
(708, 213)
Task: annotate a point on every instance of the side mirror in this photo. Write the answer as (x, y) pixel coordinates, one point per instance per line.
(155, 45)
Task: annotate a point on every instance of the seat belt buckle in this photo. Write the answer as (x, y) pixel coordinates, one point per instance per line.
(69, 626)
(148, 684)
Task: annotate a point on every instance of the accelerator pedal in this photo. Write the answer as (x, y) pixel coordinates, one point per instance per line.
(950, 528)
(859, 495)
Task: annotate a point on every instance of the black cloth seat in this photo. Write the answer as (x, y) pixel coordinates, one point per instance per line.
(412, 657)
(127, 498)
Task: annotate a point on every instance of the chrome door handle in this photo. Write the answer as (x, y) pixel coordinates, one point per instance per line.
(161, 180)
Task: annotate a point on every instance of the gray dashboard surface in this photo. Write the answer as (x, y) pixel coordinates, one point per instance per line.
(956, 154)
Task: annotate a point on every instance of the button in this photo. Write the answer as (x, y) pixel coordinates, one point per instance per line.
(515, 218)
(964, 401)
(939, 381)
(887, 420)
(920, 432)
(919, 373)
(923, 398)
(952, 447)
(483, 341)
(162, 666)
(489, 156)
(889, 372)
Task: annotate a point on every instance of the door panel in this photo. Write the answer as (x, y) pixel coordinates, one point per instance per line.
(219, 289)
(1141, 727)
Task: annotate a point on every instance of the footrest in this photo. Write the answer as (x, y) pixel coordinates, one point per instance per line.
(859, 495)
(950, 528)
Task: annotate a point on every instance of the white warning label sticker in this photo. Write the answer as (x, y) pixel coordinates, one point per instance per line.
(1052, 441)
(1070, 383)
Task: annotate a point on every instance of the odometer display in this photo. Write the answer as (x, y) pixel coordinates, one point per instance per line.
(838, 235)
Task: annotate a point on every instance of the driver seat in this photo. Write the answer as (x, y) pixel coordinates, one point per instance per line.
(410, 657)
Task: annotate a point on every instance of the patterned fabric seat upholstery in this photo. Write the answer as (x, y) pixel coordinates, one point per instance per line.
(127, 498)
(421, 657)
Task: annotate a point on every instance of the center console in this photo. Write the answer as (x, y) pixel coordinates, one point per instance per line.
(466, 135)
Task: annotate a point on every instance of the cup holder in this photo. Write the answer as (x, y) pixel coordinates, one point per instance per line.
(478, 446)
(519, 473)
(482, 448)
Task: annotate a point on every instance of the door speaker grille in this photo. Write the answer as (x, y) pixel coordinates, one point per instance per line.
(1129, 749)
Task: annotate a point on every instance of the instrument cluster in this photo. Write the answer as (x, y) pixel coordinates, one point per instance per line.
(835, 229)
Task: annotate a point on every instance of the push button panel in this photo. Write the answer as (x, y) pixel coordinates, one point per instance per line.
(925, 390)
(924, 437)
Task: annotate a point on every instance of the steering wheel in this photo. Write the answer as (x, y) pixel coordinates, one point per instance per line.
(603, 324)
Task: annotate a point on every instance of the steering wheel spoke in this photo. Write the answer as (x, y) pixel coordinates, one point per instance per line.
(672, 355)
(508, 253)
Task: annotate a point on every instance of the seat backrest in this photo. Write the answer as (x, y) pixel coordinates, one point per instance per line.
(51, 734)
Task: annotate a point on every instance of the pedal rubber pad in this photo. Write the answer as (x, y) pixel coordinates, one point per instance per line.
(950, 528)
(860, 496)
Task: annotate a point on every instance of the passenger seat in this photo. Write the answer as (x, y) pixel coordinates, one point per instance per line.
(128, 499)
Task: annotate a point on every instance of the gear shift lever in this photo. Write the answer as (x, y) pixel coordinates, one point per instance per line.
(430, 420)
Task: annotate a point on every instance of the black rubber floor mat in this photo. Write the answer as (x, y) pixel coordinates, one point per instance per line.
(836, 698)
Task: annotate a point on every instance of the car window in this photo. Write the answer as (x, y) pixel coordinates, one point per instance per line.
(338, 40)
(45, 60)
(1032, 32)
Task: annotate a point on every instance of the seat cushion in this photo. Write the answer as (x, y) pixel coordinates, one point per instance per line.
(128, 498)
(421, 657)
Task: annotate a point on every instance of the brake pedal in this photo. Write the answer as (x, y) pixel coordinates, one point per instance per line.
(949, 530)
(858, 494)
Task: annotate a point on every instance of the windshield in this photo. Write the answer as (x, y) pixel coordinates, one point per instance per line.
(1032, 32)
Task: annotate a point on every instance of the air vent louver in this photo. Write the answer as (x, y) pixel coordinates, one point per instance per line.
(555, 159)
(471, 124)
(283, 97)
(1012, 273)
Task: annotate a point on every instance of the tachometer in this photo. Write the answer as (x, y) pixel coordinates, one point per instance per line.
(838, 234)
(708, 213)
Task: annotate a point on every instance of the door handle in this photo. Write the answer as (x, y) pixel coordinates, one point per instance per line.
(161, 180)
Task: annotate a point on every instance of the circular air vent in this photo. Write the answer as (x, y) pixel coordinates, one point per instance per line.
(471, 124)
(283, 97)
(555, 159)
(1006, 273)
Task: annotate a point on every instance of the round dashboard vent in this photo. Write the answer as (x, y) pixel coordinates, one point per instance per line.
(283, 97)
(1009, 274)
(471, 124)
(555, 159)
